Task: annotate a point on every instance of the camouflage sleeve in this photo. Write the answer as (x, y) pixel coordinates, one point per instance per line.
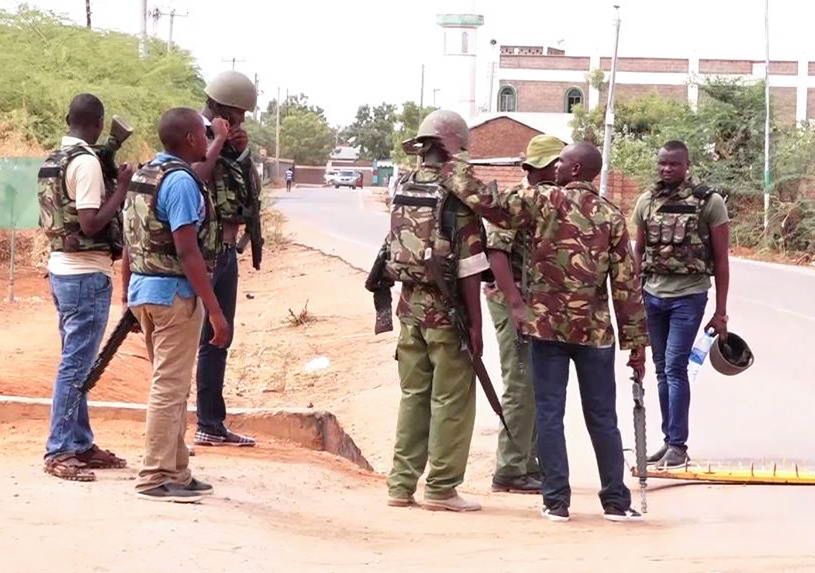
(506, 210)
(499, 239)
(626, 290)
(471, 257)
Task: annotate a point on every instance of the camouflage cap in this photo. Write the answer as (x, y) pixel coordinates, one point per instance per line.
(542, 150)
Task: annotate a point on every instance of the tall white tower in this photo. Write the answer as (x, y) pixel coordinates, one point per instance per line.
(458, 62)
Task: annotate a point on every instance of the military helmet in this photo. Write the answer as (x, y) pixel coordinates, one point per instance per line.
(448, 126)
(731, 355)
(233, 89)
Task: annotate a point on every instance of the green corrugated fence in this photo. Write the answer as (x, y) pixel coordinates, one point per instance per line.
(19, 208)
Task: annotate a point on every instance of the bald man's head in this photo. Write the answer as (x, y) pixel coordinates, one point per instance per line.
(578, 162)
(182, 133)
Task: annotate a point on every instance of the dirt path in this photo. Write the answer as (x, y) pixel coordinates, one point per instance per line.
(280, 508)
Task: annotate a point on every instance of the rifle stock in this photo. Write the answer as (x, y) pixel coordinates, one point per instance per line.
(114, 341)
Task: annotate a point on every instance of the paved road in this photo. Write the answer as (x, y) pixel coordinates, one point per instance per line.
(766, 412)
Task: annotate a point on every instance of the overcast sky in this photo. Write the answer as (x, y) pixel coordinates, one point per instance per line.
(343, 54)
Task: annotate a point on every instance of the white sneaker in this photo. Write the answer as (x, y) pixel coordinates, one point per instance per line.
(558, 514)
(619, 515)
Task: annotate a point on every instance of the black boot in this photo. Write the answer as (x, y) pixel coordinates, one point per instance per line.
(519, 484)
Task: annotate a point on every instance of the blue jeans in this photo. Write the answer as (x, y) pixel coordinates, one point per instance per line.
(83, 306)
(672, 326)
(211, 359)
(595, 376)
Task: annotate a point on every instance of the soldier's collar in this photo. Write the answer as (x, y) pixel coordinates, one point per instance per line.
(584, 185)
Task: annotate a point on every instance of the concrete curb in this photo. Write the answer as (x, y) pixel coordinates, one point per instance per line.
(313, 429)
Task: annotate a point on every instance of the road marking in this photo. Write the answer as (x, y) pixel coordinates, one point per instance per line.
(775, 308)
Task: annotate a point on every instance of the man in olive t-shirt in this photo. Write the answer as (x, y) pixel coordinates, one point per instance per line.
(683, 237)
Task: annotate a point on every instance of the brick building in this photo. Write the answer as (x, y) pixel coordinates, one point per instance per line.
(530, 79)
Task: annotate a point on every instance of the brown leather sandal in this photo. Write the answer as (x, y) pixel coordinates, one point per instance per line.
(68, 467)
(98, 459)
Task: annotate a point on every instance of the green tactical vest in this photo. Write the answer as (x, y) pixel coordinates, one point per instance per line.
(676, 243)
(232, 200)
(149, 240)
(59, 218)
(422, 226)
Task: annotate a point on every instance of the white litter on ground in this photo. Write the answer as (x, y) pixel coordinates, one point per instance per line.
(317, 364)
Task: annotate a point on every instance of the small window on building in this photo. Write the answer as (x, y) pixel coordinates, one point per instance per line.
(507, 101)
(573, 97)
(465, 43)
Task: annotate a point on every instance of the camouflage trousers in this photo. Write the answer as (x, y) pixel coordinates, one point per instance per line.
(436, 412)
(518, 457)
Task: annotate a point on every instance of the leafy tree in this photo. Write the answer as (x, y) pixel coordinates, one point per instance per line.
(306, 137)
(372, 130)
(46, 61)
(407, 125)
(292, 103)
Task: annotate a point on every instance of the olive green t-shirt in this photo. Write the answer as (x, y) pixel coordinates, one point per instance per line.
(713, 214)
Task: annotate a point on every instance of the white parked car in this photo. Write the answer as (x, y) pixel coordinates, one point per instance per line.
(346, 179)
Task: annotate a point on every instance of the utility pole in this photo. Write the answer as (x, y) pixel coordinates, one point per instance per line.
(610, 108)
(257, 91)
(767, 178)
(233, 60)
(88, 13)
(277, 136)
(143, 38)
(421, 93)
(172, 22)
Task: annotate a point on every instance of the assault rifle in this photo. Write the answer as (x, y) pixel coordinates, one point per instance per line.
(639, 438)
(252, 213)
(443, 278)
(119, 132)
(125, 326)
(379, 284)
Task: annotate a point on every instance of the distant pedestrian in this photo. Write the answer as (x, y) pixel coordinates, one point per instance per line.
(80, 220)
(289, 178)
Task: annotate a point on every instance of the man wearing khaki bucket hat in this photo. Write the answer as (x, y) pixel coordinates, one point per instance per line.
(517, 468)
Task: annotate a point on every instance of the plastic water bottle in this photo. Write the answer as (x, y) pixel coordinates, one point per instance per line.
(700, 350)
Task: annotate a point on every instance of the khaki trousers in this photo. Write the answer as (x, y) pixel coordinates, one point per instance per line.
(171, 333)
(436, 412)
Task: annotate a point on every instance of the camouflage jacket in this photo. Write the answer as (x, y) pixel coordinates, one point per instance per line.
(578, 242)
(422, 304)
(515, 244)
(149, 240)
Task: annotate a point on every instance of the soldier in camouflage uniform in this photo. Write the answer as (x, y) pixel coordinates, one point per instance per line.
(80, 219)
(171, 241)
(229, 96)
(517, 468)
(579, 244)
(437, 409)
(682, 239)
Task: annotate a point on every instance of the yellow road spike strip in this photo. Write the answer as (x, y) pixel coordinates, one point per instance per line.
(734, 475)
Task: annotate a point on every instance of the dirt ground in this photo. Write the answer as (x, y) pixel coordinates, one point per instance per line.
(281, 508)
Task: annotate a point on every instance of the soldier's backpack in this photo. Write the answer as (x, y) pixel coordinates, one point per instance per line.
(422, 225)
